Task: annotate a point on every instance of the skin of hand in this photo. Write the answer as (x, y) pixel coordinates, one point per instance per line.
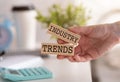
(95, 41)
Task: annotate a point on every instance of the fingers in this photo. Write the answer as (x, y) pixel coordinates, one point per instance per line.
(76, 58)
(61, 41)
(81, 30)
(61, 57)
(75, 29)
(71, 59)
(77, 50)
(80, 59)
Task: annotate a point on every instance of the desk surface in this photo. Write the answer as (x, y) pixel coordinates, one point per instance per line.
(65, 71)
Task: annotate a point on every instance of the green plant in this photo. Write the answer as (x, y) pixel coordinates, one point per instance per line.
(65, 17)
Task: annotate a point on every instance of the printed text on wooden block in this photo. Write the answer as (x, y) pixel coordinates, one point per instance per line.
(63, 49)
(63, 34)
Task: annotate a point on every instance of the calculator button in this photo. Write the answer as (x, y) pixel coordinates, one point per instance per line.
(34, 70)
(26, 72)
(40, 71)
(34, 73)
(22, 72)
(44, 71)
(47, 70)
(29, 71)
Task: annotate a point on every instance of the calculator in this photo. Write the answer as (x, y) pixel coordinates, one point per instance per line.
(26, 74)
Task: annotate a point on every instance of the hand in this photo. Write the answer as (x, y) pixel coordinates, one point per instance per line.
(94, 42)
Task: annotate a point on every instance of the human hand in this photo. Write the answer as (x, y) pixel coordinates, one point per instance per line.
(94, 42)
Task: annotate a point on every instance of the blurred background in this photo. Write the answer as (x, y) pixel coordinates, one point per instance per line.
(30, 19)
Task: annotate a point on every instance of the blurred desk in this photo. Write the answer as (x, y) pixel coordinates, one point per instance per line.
(65, 71)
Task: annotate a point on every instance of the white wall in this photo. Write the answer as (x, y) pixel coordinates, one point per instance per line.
(98, 9)
(41, 5)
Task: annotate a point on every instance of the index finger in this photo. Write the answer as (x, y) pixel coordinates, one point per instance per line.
(61, 41)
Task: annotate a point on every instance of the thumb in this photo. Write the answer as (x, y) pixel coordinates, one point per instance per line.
(80, 30)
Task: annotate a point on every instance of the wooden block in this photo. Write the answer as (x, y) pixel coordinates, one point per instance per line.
(63, 34)
(63, 49)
